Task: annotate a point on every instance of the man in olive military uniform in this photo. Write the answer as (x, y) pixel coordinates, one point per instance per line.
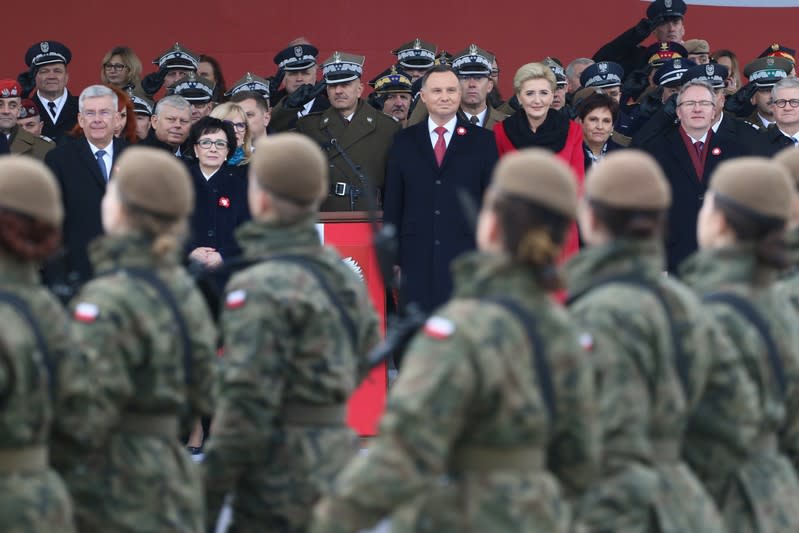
(19, 140)
(762, 74)
(354, 127)
(473, 67)
(301, 94)
(296, 326)
(392, 93)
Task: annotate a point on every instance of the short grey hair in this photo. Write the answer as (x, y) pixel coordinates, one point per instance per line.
(97, 91)
(696, 83)
(570, 70)
(791, 82)
(176, 101)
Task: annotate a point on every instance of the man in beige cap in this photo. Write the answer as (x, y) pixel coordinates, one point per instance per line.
(297, 325)
(698, 51)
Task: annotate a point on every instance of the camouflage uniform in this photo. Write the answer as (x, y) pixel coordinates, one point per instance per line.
(134, 474)
(789, 284)
(290, 365)
(33, 498)
(466, 443)
(760, 494)
(644, 400)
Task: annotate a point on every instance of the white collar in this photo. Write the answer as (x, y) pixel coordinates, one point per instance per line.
(449, 126)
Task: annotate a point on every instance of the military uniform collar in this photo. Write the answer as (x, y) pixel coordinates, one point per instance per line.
(710, 270)
(260, 238)
(17, 272)
(110, 252)
(479, 275)
(620, 256)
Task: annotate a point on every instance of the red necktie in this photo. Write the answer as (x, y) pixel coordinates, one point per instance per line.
(699, 145)
(441, 145)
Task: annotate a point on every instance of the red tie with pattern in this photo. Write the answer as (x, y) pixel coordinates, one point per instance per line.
(698, 145)
(441, 145)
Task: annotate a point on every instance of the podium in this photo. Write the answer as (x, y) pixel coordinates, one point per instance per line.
(351, 234)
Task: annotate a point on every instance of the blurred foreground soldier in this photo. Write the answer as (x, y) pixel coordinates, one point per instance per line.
(301, 93)
(174, 64)
(492, 424)
(34, 346)
(19, 140)
(415, 58)
(143, 110)
(790, 283)
(198, 92)
(785, 130)
(171, 122)
(651, 374)
(351, 125)
(392, 94)
(296, 325)
(698, 51)
(763, 73)
(664, 20)
(48, 62)
(741, 234)
(148, 331)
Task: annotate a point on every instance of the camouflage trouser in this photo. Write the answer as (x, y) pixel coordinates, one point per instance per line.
(35, 503)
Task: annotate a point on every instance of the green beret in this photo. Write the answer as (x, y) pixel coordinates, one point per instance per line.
(290, 166)
(155, 181)
(28, 187)
(789, 157)
(761, 185)
(628, 179)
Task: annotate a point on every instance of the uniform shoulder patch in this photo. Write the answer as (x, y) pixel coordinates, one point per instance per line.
(439, 328)
(754, 126)
(86, 312)
(236, 299)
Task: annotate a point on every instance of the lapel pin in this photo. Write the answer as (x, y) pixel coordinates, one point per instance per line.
(461, 130)
(716, 151)
(369, 120)
(224, 201)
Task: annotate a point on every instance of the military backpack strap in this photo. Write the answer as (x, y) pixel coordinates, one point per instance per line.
(308, 264)
(542, 368)
(680, 359)
(751, 314)
(161, 288)
(21, 307)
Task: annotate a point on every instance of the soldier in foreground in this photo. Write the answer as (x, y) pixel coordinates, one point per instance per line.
(741, 231)
(295, 325)
(491, 425)
(146, 330)
(651, 373)
(33, 343)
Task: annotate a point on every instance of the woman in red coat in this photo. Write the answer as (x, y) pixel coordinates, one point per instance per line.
(536, 125)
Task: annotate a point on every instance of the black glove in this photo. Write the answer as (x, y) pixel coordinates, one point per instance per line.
(670, 107)
(304, 94)
(27, 80)
(645, 27)
(634, 85)
(152, 83)
(650, 103)
(740, 103)
(275, 81)
(377, 101)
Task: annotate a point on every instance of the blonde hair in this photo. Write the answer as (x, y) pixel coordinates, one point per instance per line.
(533, 71)
(221, 112)
(129, 59)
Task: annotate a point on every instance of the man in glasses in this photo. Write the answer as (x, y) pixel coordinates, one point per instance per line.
(785, 131)
(198, 91)
(688, 153)
(47, 61)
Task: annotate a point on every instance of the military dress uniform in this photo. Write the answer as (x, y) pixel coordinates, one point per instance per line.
(19, 140)
(61, 115)
(366, 140)
(653, 351)
(284, 113)
(491, 426)
(151, 342)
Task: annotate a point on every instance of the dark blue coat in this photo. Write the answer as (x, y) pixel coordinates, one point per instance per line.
(220, 206)
(421, 201)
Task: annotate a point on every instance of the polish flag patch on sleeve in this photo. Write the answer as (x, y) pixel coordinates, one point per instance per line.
(439, 328)
(86, 312)
(236, 299)
(587, 342)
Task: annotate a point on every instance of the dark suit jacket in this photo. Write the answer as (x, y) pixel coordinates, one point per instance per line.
(66, 119)
(220, 207)
(3, 145)
(687, 189)
(775, 141)
(82, 189)
(421, 200)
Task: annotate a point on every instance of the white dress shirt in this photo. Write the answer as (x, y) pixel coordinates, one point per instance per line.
(59, 105)
(481, 117)
(449, 126)
(305, 109)
(108, 158)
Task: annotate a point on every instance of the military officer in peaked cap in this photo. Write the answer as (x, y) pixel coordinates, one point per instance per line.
(605, 76)
(415, 57)
(143, 110)
(198, 91)
(762, 74)
(354, 127)
(250, 82)
(19, 140)
(252, 93)
(559, 100)
(47, 62)
(301, 94)
(778, 50)
(392, 93)
(664, 20)
(473, 67)
(174, 64)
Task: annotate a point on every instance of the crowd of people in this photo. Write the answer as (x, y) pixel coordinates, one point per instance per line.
(608, 260)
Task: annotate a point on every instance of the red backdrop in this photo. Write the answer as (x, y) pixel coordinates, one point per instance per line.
(246, 35)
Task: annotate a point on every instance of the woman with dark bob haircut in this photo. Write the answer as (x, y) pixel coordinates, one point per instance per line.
(596, 114)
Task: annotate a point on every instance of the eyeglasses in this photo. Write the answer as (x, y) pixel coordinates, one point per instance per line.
(114, 66)
(238, 126)
(695, 103)
(103, 113)
(207, 143)
(782, 102)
